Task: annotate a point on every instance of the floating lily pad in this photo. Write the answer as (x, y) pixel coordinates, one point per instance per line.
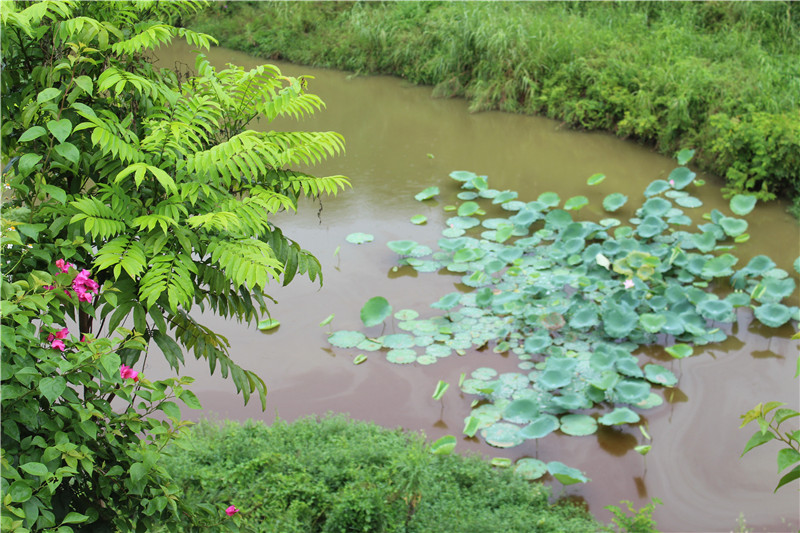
(453, 232)
(718, 310)
(401, 356)
(268, 324)
(684, 156)
(463, 222)
(530, 468)
(656, 207)
(418, 219)
(502, 435)
(566, 474)
(656, 187)
(346, 339)
(688, 201)
(540, 427)
(620, 415)
(368, 345)
(398, 340)
(468, 208)
(773, 314)
(521, 411)
(375, 311)
(594, 179)
(614, 201)
(406, 314)
(359, 238)
(426, 359)
(438, 350)
(679, 351)
(402, 247)
(576, 202)
(484, 373)
(448, 301)
(660, 375)
(549, 199)
(505, 196)
(742, 204)
(681, 177)
(578, 425)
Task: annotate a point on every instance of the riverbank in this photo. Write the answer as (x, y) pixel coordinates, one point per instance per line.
(723, 78)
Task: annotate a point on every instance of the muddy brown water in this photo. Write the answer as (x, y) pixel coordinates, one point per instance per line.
(401, 140)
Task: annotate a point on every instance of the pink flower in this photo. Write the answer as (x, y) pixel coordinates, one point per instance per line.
(49, 287)
(628, 284)
(55, 340)
(672, 182)
(127, 372)
(63, 266)
(58, 344)
(84, 286)
(230, 511)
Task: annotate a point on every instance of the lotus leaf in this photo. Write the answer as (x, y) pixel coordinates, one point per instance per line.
(463, 175)
(742, 204)
(368, 345)
(359, 238)
(401, 356)
(346, 339)
(467, 208)
(513, 205)
(480, 183)
(738, 299)
(425, 194)
(576, 202)
(502, 435)
(614, 201)
(426, 359)
(774, 290)
(571, 401)
(619, 320)
(684, 156)
(681, 220)
(660, 375)
(504, 197)
(605, 380)
(494, 223)
(419, 219)
(774, 314)
(530, 469)
(631, 390)
(688, 201)
(375, 311)
(594, 179)
(656, 187)
(680, 351)
(565, 474)
(521, 411)
(453, 232)
(538, 342)
(467, 195)
(398, 340)
(525, 217)
(585, 317)
(406, 314)
(733, 227)
(629, 366)
(549, 199)
(557, 219)
(484, 373)
(719, 266)
(578, 425)
(656, 207)
(462, 222)
(681, 177)
(448, 301)
(553, 379)
(620, 415)
(651, 322)
(402, 247)
(509, 255)
(717, 310)
(360, 358)
(444, 445)
(759, 264)
(540, 427)
(652, 400)
(796, 265)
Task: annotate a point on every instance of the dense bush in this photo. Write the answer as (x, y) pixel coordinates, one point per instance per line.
(335, 475)
(721, 77)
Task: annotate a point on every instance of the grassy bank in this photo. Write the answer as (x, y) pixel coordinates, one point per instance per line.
(337, 475)
(721, 77)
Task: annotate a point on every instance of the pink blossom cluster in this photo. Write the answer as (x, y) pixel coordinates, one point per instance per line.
(232, 510)
(55, 339)
(126, 372)
(83, 285)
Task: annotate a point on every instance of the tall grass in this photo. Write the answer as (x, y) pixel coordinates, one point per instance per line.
(652, 71)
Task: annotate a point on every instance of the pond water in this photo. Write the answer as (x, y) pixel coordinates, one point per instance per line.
(400, 141)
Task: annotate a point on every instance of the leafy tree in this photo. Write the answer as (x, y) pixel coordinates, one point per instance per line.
(132, 197)
(153, 179)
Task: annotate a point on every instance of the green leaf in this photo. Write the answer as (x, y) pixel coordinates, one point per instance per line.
(502, 435)
(34, 132)
(268, 324)
(85, 83)
(757, 439)
(56, 192)
(660, 375)
(36, 469)
(679, 351)
(684, 156)
(346, 339)
(360, 358)
(60, 129)
(190, 399)
(576, 202)
(540, 427)
(441, 388)
(47, 94)
(444, 445)
(787, 457)
(566, 474)
(594, 179)
(20, 491)
(171, 350)
(467, 209)
(68, 151)
(642, 449)
(530, 468)
(327, 320)
(375, 311)
(359, 238)
(75, 518)
(620, 415)
(773, 314)
(681, 177)
(578, 425)
(614, 201)
(419, 219)
(171, 409)
(788, 478)
(426, 194)
(742, 204)
(52, 387)
(27, 162)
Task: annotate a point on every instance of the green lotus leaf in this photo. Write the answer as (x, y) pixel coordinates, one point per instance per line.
(401, 356)
(585, 317)
(368, 345)
(651, 322)
(549, 199)
(553, 379)
(656, 187)
(467, 208)
(406, 314)
(574, 245)
(605, 380)
(773, 290)
(680, 351)
(463, 175)
(651, 226)
(614, 201)
(631, 391)
(402, 247)
(462, 222)
(423, 341)
(717, 310)
(426, 359)
(659, 375)
(444, 445)
(719, 266)
(619, 320)
(467, 195)
(509, 255)
(480, 183)
(684, 156)
(565, 474)
(759, 264)
(448, 301)
(484, 373)
(656, 207)
(426, 194)
(504, 197)
(493, 223)
(346, 339)
(774, 314)
(375, 311)
(530, 468)
(594, 179)
(681, 177)
(742, 204)
(453, 232)
(521, 411)
(733, 226)
(359, 238)
(513, 205)
(652, 400)
(538, 342)
(502, 435)
(796, 265)
(398, 340)
(571, 401)
(557, 219)
(418, 219)
(360, 358)
(705, 242)
(680, 220)
(540, 427)
(629, 366)
(578, 425)
(576, 202)
(620, 415)
(738, 299)
(688, 201)
(268, 324)
(525, 217)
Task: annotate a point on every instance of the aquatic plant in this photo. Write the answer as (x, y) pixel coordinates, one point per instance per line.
(574, 300)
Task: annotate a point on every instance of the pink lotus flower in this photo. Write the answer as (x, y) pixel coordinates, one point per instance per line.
(55, 340)
(127, 372)
(672, 182)
(230, 511)
(628, 284)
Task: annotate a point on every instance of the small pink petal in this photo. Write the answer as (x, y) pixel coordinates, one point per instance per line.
(62, 334)
(230, 511)
(672, 182)
(59, 344)
(126, 372)
(628, 284)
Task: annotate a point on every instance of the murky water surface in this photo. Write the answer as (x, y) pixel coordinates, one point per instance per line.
(399, 141)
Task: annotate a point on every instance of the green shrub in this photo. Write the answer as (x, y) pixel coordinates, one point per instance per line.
(335, 475)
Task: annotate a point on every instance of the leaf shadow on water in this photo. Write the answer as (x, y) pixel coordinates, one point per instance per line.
(615, 441)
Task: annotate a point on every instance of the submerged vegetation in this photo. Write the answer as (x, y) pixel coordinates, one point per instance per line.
(723, 77)
(575, 300)
(334, 474)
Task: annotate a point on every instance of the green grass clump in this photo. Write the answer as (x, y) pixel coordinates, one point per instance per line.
(721, 77)
(333, 474)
